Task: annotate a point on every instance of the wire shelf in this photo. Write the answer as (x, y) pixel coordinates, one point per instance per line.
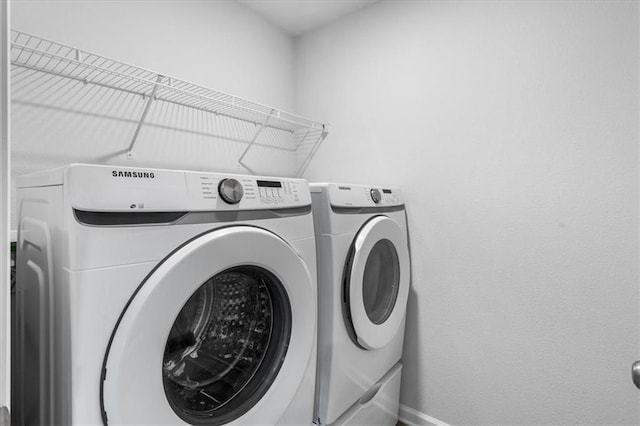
(149, 106)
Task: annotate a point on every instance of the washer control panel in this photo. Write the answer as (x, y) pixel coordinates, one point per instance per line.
(346, 195)
(107, 188)
(246, 192)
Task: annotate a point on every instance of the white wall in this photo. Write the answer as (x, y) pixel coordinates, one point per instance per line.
(513, 129)
(218, 44)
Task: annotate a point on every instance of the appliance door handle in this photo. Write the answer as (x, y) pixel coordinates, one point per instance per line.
(635, 373)
(368, 395)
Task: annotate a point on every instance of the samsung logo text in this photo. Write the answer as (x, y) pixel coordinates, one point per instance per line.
(140, 175)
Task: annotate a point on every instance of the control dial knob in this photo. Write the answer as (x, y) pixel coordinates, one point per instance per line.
(230, 190)
(375, 195)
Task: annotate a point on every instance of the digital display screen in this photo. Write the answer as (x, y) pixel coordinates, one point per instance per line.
(386, 191)
(269, 183)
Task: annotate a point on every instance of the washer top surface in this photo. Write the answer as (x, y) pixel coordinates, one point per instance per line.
(128, 189)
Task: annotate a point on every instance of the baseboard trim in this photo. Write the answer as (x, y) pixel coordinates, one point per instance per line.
(412, 417)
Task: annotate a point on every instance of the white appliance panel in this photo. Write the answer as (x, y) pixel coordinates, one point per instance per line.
(126, 189)
(354, 196)
(379, 405)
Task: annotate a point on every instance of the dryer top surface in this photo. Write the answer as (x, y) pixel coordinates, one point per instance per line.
(344, 208)
(341, 195)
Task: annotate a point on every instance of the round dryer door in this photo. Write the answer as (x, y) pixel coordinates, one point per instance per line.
(220, 331)
(377, 282)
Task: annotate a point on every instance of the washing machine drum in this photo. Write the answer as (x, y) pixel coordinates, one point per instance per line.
(222, 330)
(227, 345)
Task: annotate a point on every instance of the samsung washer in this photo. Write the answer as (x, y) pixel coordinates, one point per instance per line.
(150, 296)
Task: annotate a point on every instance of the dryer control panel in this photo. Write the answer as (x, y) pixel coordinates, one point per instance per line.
(348, 195)
(107, 188)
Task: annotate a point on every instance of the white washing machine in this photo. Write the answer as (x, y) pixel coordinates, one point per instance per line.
(363, 285)
(164, 297)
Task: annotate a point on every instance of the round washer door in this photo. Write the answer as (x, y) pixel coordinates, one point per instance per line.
(378, 282)
(220, 332)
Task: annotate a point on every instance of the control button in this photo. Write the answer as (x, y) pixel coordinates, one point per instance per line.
(230, 190)
(375, 195)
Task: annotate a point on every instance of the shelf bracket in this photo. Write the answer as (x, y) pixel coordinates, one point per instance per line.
(253, 140)
(143, 117)
(314, 149)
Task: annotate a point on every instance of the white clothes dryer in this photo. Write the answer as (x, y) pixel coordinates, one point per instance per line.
(164, 297)
(363, 286)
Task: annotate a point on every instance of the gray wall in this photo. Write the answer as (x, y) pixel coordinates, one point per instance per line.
(513, 128)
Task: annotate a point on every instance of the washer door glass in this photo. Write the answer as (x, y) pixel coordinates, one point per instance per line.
(381, 281)
(226, 346)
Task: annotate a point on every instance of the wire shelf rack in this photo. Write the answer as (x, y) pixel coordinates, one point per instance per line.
(149, 106)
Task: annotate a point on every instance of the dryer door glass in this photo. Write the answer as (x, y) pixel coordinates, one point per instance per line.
(381, 281)
(376, 283)
(226, 346)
